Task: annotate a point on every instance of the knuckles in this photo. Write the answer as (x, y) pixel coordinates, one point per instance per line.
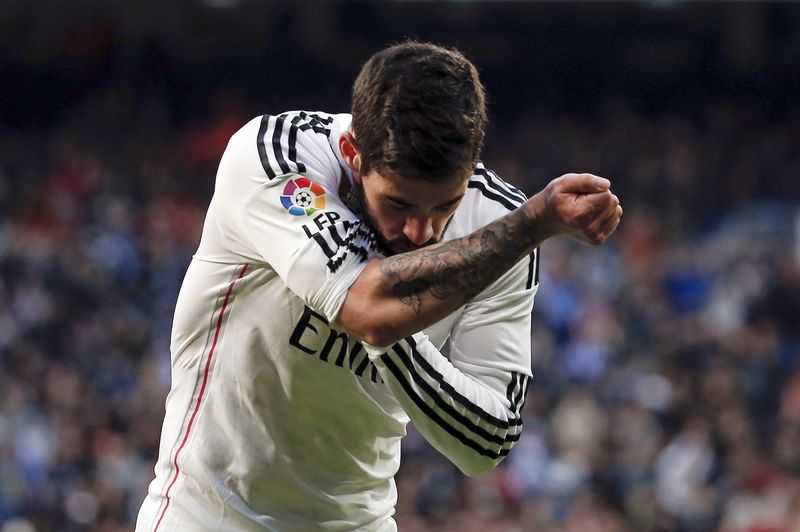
(583, 213)
(596, 240)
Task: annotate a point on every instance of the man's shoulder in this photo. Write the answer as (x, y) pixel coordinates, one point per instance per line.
(491, 189)
(296, 142)
(488, 197)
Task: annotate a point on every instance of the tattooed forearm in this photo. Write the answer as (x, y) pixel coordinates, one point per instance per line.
(458, 269)
(407, 292)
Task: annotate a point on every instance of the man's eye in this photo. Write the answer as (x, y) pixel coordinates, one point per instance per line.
(397, 206)
(446, 208)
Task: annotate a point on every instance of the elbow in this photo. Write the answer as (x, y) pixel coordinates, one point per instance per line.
(378, 333)
(370, 318)
(369, 327)
(372, 325)
(479, 465)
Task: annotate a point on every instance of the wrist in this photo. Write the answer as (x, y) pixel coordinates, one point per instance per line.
(540, 227)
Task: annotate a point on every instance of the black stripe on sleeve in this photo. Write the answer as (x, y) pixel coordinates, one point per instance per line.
(431, 413)
(327, 120)
(498, 183)
(520, 394)
(536, 270)
(293, 145)
(510, 389)
(442, 404)
(492, 195)
(533, 270)
(500, 186)
(448, 388)
(525, 389)
(284, 152)
(277, 149)
(517, 390)
(315, 123)
(262, 149)
(363, 366)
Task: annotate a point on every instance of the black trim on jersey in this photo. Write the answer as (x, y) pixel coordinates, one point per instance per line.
(518, 383)
(531, 266)
(443, 405)
(277, 148)
(431, 414)
(479, 185)
(347, 246)
(500, 186)
(334, 232)
(512, 384)
(316, 123)
(316, 118)
(262, 149)
(374, 375)
(293, 145)
(286, 152)
(448, 388)
(533, 269)
(519, 399)
(320, 240)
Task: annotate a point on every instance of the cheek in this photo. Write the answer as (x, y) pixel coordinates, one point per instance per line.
(393, 223)
(440, 223)
(387, 221)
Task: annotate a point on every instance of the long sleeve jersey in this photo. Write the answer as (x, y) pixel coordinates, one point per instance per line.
(275, 419)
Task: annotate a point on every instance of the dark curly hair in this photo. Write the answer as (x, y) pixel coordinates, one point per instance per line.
(419, 110)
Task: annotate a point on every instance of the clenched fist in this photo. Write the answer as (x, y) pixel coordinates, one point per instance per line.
(579, 205)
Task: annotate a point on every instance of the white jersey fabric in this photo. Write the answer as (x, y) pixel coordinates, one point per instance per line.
(277, 421)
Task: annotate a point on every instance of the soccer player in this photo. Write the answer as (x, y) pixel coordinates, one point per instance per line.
(339, 253)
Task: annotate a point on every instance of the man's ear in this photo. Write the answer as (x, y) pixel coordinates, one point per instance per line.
(347, 147)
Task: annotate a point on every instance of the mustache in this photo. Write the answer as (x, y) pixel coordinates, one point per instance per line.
(403, 244)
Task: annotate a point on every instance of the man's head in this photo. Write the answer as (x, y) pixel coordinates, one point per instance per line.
(419, 119)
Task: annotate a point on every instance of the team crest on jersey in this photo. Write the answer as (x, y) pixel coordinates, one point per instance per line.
(301, 196)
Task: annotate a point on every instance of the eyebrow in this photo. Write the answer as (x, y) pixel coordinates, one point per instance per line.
(404, 203)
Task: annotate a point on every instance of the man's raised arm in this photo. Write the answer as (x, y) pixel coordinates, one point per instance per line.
(403, 294)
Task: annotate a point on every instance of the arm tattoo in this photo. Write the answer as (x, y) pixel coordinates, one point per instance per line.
(458, 269)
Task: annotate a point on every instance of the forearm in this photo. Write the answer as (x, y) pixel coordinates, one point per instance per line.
(400, 295)
(470, 422)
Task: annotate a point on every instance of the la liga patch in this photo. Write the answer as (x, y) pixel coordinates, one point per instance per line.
(301, 196)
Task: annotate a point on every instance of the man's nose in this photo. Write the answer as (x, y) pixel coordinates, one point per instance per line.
(418, 230)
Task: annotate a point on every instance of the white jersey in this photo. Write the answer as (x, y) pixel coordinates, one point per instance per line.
(276, 420)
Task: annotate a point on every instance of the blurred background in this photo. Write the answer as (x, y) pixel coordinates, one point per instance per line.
(666, 391)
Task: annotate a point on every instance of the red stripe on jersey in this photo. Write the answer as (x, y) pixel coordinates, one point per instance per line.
(200, 395)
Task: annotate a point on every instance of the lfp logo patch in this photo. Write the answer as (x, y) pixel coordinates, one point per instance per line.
(303, 196)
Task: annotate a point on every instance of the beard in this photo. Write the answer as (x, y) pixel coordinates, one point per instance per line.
(355, 201)
(404, 245)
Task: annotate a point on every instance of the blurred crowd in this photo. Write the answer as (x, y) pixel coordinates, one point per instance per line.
(666, 391)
